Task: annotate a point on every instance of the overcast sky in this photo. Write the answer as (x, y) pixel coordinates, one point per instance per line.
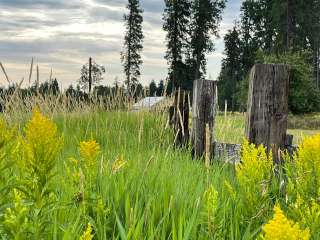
(62, 34)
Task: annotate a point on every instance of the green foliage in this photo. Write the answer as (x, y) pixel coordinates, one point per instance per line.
(304, 97)
(206, 17)
(303, 187)
(284, 31)
(230, 74)
(131, 55)
(190, 26)
(130, 183)
(97, 72)
(176, 18)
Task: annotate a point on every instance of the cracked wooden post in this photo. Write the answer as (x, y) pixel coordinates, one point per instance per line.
(267, 110)
(179, 118)
(203, 114)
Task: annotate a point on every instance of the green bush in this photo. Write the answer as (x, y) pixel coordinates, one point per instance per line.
(304, 97)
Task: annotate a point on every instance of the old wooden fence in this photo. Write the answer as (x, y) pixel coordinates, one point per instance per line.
(266, 122)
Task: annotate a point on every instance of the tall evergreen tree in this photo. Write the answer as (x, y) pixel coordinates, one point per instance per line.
(277, 28)
(131, 56)
(152, 88)
(206, 19)
(230, 74)
(176, 23)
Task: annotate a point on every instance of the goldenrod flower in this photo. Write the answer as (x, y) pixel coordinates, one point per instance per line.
(307, 167)
(280, 228)
(118, 164)
(312, 143)
(309, 150)
(40, 131)
(89, 151)
(41, 146)
(256, 165)
(87, 235)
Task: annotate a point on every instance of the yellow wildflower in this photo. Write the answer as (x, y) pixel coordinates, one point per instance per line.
(309, 150)
(280, 228)
(307, 168)
(256, 165)
(89, 151)
(312, 143)
(40, 131)
(41, 146)
(118, 164)
(87, 235)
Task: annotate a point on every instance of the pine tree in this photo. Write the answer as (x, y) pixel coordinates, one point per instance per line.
(230, 74)
(206, 19)
(152, 88)
(130, 57)
(176, 23)
(278, 28)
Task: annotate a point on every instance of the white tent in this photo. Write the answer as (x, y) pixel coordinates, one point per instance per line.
(147, 103)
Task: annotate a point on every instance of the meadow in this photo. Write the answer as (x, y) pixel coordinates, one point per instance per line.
(95, 174)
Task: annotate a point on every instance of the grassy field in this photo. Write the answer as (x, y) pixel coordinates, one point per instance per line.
(132, 184)
(230, 129)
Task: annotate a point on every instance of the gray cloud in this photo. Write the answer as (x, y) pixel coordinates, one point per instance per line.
(41, 4)
(62, 34)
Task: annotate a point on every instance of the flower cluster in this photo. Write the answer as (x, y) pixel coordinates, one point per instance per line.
(87, 235)
(253, 175)
(41, 143)
(40, 146)
(89, 151)
(309, 153)
(280, 228)
(256, 164)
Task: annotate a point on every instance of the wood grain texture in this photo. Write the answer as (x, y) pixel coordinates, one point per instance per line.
(203, 113)
(268, 106)
(179, 117)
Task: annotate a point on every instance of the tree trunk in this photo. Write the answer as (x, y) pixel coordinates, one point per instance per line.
(317, 68)
(268, 107)
(290, 24)
(203, 114)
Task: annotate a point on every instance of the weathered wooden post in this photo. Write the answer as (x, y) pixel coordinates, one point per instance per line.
(90, 74)
(179, 118)
(267, 110)
(203, 114)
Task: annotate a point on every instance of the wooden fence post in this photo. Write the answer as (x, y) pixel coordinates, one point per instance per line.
(267, 110)
(179, 118)
(90, 74)
(203, 114)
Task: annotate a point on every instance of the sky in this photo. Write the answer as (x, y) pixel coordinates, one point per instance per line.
(62, 34)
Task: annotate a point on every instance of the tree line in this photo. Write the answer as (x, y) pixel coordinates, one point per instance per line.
(190, 27)
(268, 31)
(274, 31)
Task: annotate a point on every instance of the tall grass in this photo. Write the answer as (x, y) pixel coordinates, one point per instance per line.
(132, 183)
(141, 188)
